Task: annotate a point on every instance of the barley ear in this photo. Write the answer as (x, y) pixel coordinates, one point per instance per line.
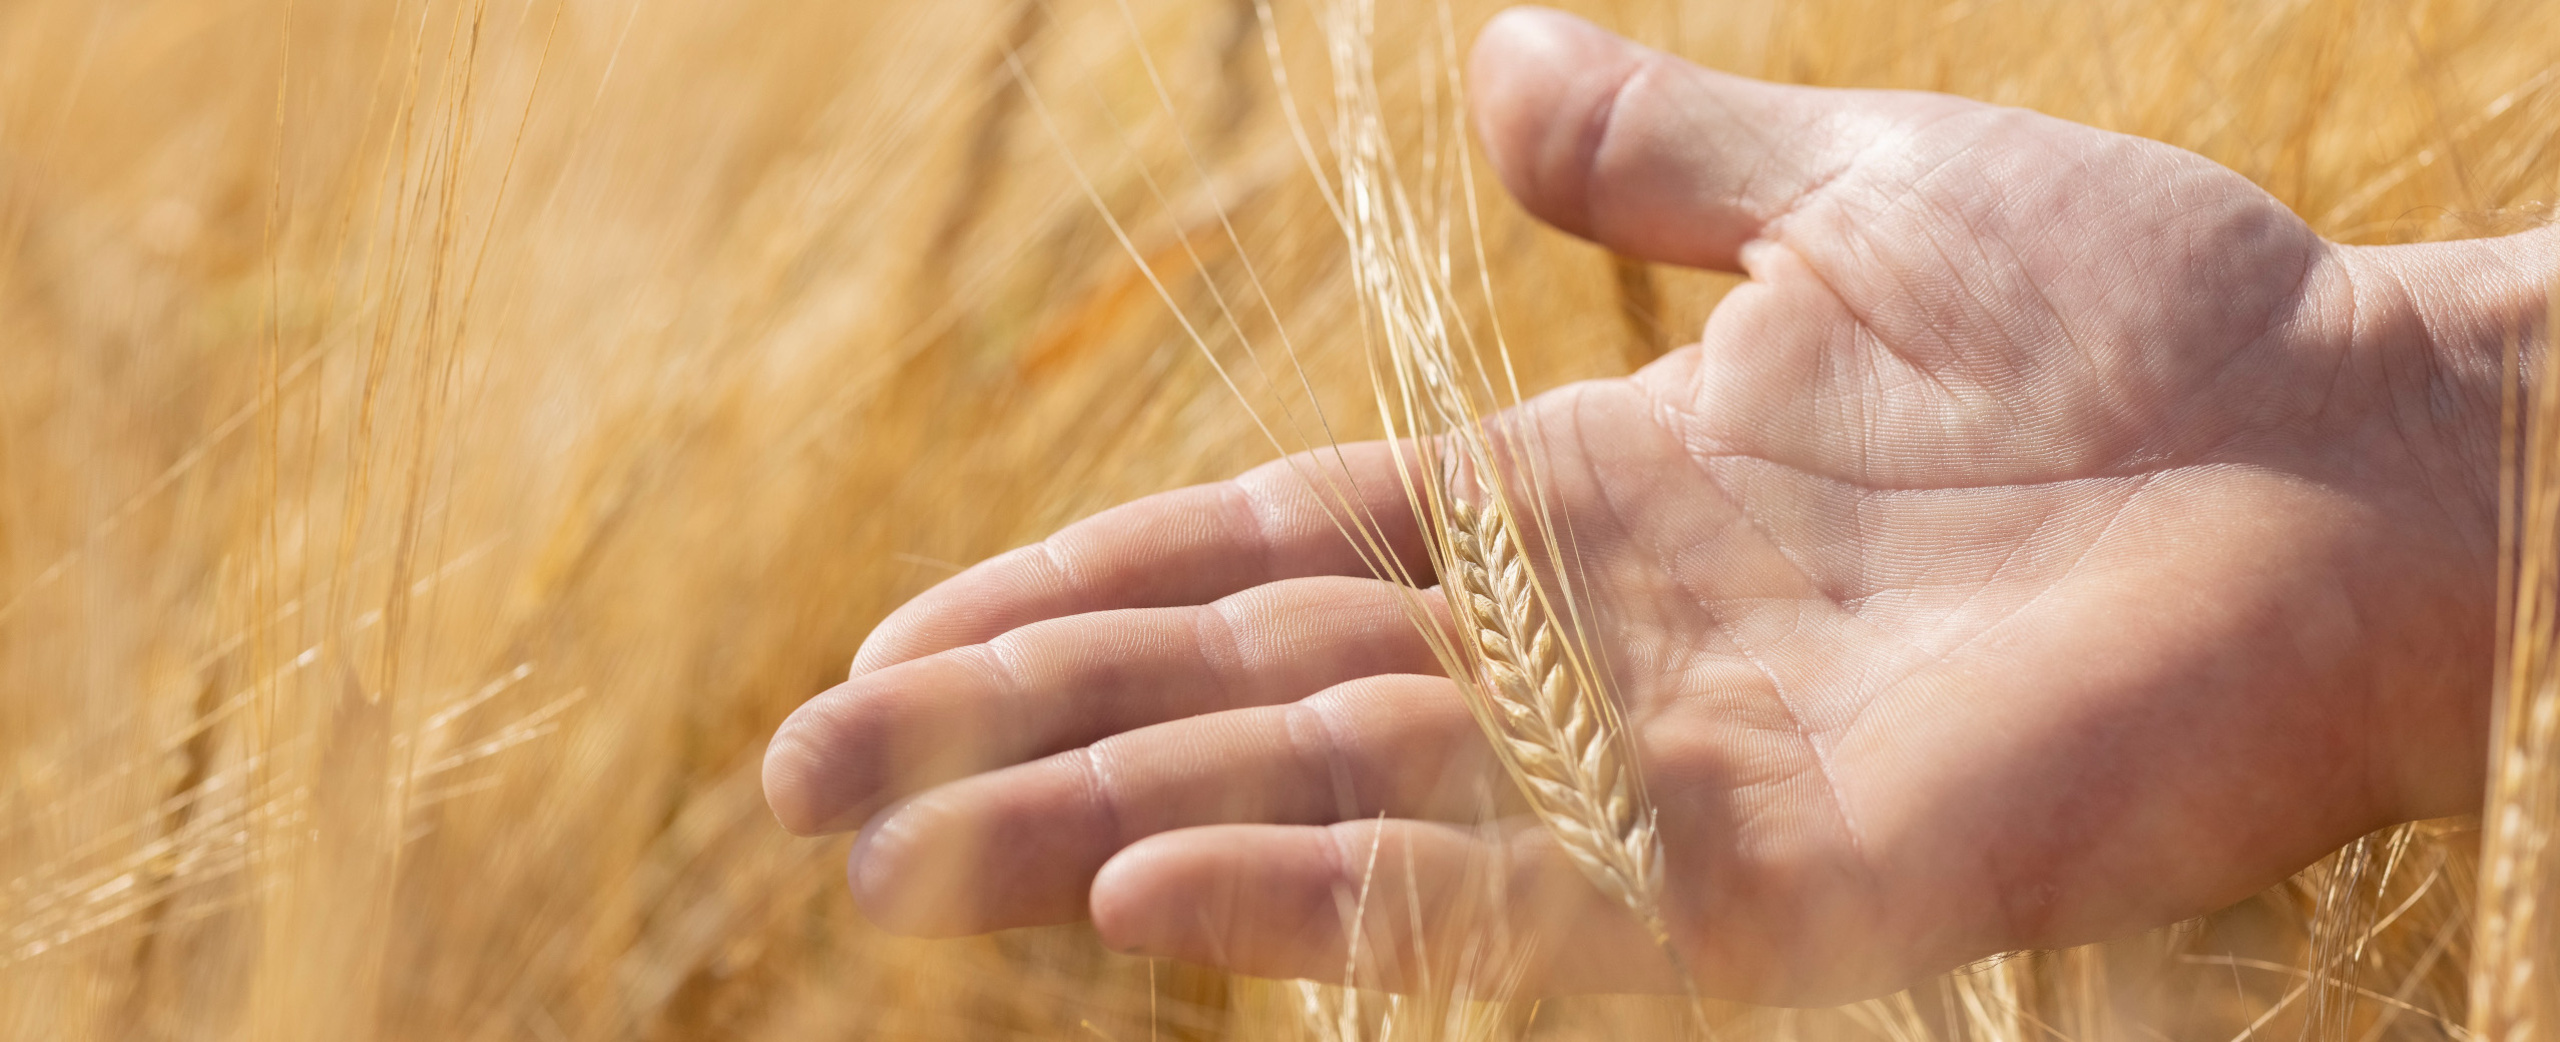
(1550, 721)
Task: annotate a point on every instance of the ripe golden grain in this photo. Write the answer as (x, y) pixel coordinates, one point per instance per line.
(1553, 727)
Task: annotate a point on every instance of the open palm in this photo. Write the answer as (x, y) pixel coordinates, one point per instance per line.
(2054, 538)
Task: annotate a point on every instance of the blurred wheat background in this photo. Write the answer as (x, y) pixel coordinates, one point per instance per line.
(439, 439)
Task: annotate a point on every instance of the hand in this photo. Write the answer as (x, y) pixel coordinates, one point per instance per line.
(2054, 538)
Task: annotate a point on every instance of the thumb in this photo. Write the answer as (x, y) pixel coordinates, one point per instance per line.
(1645, 153)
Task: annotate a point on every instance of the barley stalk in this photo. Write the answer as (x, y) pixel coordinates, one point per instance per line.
(1526, 668)
(1526, 673)
(2510, 989)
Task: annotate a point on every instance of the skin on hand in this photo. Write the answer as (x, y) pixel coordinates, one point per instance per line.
(2055, 538)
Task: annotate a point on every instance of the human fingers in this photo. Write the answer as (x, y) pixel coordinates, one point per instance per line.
(1421, 900)
(1307, 515)
(1063, 683)
(1650, 155)
(1020, 846)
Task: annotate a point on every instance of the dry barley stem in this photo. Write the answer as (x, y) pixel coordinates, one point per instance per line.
(1991, 999)
(2511, 989)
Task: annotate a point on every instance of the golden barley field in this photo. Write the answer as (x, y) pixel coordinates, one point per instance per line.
(441, 439)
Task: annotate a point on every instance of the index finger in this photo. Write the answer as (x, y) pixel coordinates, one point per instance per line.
(1326, 512)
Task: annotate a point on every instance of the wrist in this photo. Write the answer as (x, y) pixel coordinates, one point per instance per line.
(2433, 324)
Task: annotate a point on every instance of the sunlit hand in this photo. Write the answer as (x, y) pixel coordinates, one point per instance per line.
(2054, 538)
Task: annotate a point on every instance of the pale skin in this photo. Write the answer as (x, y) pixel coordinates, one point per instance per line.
(2053, 539)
